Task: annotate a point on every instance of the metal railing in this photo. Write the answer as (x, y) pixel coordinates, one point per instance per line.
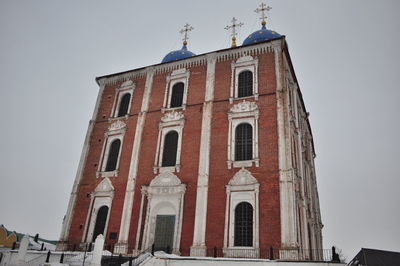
(295, 254)
(271, 253)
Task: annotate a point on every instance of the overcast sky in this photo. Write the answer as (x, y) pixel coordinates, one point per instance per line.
(345, 54)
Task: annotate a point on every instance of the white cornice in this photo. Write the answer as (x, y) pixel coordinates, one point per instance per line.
(228, 54)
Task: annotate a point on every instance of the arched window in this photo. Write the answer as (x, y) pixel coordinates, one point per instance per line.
(170, 147)
(177, 95)
(243, 142)
(124, 105)
(244, 225)
(100, 222)
(245, 84)
(113, 155)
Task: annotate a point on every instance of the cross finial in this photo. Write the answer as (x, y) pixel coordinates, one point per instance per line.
(262, 9)
(184, 31)
(234, 32)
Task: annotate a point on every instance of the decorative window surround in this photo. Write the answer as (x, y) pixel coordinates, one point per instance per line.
(243, 112)
(102, 196)
(165, 196)
(242, 64)
(179, 75)
(171, 121)
(243, 187)
(126, 87)
(115, 131)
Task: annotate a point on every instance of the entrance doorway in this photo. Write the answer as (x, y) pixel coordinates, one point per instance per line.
(164, 235)
(100, 222)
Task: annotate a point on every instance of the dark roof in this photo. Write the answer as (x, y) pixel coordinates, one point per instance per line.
(375, 257)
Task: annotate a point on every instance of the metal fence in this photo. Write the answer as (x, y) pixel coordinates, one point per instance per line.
(271, 253)
(316, 255)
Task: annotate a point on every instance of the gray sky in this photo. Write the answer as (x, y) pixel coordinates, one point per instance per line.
(345, 54)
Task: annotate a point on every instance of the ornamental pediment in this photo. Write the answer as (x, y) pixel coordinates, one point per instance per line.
(117, 125)
(243, 177)
(244, 106)
(105, 186)
(126, 84)
(166, 179)
(245, 58)
(172, 116)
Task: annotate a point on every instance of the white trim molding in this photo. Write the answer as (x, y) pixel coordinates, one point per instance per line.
(243, 112)
(243, 63)
(165, 196)
(102, 196)
(171, 121)
(115, 131)
(243, 187)
(177, 76)
(128, 87)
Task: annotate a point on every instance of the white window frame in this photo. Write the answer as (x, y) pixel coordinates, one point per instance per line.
(243, 187)
(243, 112)
(126, 87)
(171, 121)
(177, 76)
(242, 64)
(115, 131)
(103, 195)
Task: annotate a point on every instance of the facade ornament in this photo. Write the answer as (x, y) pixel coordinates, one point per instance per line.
(126, 84)
(244, 106)
(166, 179)
(243, 177)
(117, 125)
(104, 186)
(172, 116)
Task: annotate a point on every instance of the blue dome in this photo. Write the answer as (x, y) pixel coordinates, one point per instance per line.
(178, 54)
(261, 36)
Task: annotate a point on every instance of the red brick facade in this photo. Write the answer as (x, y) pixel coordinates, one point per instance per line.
(267, 173)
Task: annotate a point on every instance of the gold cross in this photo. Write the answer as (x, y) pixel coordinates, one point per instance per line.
(262, 9)
(234, 32)
(184, 31)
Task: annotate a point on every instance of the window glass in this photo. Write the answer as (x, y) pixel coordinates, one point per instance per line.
(170, 148)
(245, 84)
(113, 155)
(124, 105)
(177, 95)
(243, 142)
(244, 225)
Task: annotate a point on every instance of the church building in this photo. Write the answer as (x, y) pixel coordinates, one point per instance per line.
(200, 152)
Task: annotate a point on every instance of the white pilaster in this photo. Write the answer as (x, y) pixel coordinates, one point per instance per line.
(199, 248)
(143, 192)
(227, 207)
(130, 188)
(62, 244)
(287, 190)
(257, 218)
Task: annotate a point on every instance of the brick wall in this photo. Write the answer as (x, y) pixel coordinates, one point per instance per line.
(267, 174)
